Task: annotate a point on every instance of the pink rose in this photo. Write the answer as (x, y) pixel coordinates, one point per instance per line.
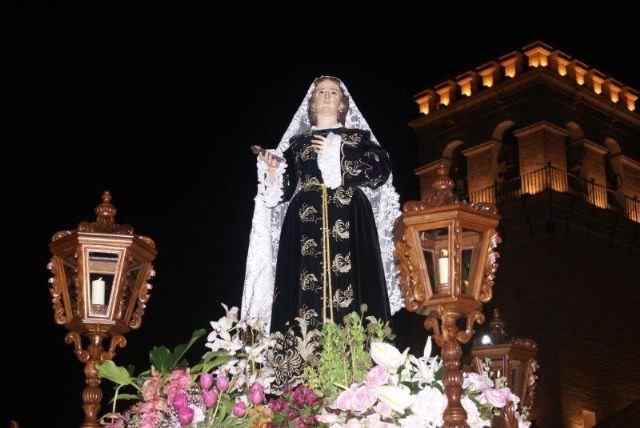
(477, 382)
(206, 380)
(363, 399)
(239, 409)
(344, 400)
(377, 376)
(210, 398)
(383, 409)
(496, 397)
(185, 415)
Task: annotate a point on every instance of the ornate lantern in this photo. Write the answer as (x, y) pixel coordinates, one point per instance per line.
(99, 289)
(447, 265)
(514, 358)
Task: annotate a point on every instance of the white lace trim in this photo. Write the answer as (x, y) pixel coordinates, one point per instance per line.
(329, 161)
(271, 192)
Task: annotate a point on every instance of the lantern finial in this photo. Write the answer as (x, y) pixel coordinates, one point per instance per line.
(105, 221)
(106, 212)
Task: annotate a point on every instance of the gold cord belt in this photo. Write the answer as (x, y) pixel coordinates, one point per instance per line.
(327, 293)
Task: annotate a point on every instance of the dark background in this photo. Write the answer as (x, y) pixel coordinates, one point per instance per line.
(159, 104)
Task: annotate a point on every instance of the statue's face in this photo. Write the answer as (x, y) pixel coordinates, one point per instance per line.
(327, 97)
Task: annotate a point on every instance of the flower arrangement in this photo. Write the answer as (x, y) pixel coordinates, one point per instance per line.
(352, 377)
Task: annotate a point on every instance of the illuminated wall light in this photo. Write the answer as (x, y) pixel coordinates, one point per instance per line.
(465, 86)
(487, 80)
(487, 74)
(445, 92)
(562, 66)
(511, 63)
(544, 61)
(631, 101)
(580, 74)
(423, 104)
(510, 68)
(597, 83)
(538, 57)
(614, 92)
(444, 96)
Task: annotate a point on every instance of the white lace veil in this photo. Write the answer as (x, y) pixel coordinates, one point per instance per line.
(257, 296)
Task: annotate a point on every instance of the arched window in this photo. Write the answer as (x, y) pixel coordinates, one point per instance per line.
(613, 175)
(458, 165)
(508, 158)
(574, 161)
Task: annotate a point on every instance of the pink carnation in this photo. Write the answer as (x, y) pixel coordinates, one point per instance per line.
(151, 386)
(150, 419)
(179, 382)
(151, 405)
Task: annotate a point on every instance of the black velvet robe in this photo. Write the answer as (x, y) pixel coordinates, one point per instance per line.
(356, 269)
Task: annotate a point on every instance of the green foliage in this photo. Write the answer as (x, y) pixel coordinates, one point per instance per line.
(333, 368)
(116, 374)
(210, 361)
(160, 357)
(344, 356)
(165, 361)
(360, 359)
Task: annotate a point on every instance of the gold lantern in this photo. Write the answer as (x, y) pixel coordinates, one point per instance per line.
(99, 288)
(446, 250)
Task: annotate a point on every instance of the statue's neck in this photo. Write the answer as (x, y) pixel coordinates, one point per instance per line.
(326, 121)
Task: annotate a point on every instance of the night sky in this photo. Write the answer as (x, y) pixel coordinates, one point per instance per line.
(160, 104)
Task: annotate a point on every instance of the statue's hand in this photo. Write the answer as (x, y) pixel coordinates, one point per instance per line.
(272, 163)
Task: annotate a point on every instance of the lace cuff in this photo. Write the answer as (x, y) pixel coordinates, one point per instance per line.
(329, 161)
(271, 192)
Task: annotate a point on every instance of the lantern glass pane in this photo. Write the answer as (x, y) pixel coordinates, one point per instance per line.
(103, 268)
(133, 271)
(70, 272)
(435, 249)
(471, 242)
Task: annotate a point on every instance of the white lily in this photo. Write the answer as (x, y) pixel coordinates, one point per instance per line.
(427, 349)
(395, 397)
(388, 356)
